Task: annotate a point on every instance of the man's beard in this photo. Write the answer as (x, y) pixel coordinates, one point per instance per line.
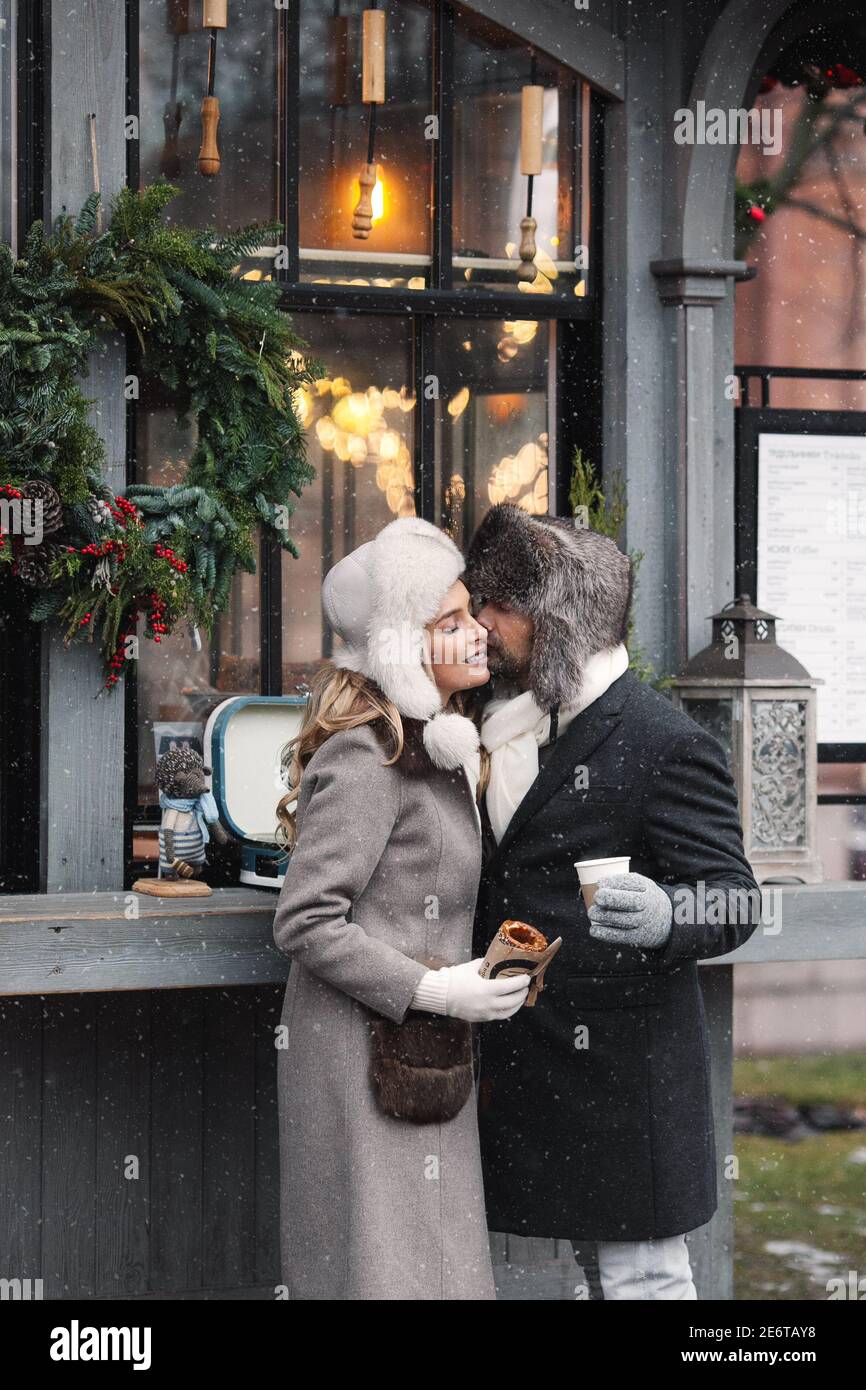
(502, 663)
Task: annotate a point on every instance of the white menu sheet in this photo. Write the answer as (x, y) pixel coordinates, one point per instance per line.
(812, 566)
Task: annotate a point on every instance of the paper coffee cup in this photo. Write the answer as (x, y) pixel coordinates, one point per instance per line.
(592, 871)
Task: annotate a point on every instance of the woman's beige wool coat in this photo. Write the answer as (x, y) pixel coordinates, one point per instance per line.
(384, 873)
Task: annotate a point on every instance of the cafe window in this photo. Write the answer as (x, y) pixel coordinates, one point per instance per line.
(458, 372)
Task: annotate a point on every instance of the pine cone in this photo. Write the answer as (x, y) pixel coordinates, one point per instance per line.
(99, 510)
(52, 508)
(34, 563)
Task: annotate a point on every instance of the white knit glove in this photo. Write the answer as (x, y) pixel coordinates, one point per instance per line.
(460, 992)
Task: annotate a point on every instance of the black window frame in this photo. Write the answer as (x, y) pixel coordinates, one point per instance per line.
(21, 640)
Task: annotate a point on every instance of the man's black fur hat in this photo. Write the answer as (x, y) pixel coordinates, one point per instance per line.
(574, 583)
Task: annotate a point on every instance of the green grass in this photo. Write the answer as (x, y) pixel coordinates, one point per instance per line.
(783, 1187)
(838, 1079)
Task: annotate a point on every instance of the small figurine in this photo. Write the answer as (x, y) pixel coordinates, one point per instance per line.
(187, 807)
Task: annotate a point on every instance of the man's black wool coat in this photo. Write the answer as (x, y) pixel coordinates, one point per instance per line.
(594, 1106)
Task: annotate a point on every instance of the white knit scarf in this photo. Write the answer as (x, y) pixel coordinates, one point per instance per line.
(513, 730)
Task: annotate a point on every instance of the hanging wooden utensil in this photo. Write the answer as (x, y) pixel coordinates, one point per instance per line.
(531, 133)
(94, 161)
(373, 93)
(214, 17)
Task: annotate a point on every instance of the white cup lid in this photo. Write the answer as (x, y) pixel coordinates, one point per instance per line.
(593, 863)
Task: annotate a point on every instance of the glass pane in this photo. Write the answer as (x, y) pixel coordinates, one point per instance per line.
(173, 78)
(490, 192)
(493, 379)
(842, 828)
(804, 307)
(7, 120)
(334, 131)
(360, 424)
(714, 715)
(178, 683)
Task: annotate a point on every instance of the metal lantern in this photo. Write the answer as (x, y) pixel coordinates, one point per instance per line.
(759, 702)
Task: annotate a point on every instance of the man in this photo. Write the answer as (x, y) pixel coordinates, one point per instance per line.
(595, 1110)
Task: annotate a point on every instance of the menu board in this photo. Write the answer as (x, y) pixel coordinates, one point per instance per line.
(812, 566)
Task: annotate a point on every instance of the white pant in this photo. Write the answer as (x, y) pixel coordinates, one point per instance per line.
(637, 1269)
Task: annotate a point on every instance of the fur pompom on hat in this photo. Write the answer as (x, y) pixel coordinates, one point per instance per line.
(574, 583)
(379, 599)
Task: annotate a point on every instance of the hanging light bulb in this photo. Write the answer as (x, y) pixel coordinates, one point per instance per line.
(390, 446)
(326, 432)
(527, 463)
(352, 413)
(357, 448)
(303, 403)
(521, 330)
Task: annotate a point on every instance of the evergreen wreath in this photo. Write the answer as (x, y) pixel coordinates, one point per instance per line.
(227, 353)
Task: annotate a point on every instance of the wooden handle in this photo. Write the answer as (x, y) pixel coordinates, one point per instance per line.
(531, 129)
(209, 155)
(373, 69)
(362, 220)
(215, 14)
(527, 269)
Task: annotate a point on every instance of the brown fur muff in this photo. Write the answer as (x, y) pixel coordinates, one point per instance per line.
(421, 1069)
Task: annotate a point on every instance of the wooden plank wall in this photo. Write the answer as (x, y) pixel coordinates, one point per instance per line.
(82, 738)
(139, 1151)
(181, 1083)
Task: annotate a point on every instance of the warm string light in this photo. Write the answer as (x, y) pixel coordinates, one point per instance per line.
(522, 478)
(355, 427)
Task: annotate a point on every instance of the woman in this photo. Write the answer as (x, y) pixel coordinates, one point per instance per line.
(383, 877)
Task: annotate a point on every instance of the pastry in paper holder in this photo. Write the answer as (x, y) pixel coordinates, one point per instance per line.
(519, 949)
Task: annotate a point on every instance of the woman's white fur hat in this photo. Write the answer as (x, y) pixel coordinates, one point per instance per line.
(378, 600)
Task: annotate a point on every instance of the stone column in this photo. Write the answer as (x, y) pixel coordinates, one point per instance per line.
(699, 472)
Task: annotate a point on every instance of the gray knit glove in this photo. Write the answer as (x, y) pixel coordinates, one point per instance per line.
(631, 910)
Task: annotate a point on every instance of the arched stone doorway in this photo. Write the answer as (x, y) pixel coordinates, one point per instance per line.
(695, 277)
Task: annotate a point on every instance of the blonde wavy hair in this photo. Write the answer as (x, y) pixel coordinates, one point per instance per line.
(342, 699)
